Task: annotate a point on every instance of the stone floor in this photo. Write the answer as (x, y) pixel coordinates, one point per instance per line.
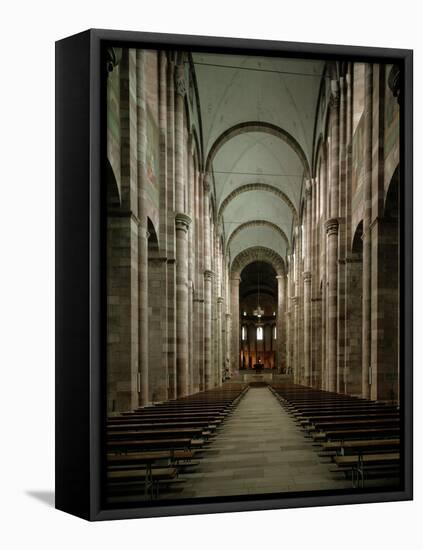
(259, 449)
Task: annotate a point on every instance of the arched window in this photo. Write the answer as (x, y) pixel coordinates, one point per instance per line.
(274, 332)
(259, 333)
(244, 333)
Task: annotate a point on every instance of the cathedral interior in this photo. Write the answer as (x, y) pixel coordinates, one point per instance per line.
(253, 275)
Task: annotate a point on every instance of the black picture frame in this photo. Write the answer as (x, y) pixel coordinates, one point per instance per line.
(80, 257)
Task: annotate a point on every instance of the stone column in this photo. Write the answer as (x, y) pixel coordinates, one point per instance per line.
(307, 328)
(332, 254)
(235, 324)
(332, 243)
(199, 342)
(288, 322)
(228, 344)
(280, 325)
(341, 373)
(198, 296)
(295, 361)
(201, 267)
(163, 226)
(367, 241)
(220, 334)
(208, 282)
(142, 233)
(171, 233)
(182, 223)
(307, 287)
(191, 263)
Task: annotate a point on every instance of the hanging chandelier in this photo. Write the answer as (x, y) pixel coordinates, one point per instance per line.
(258, 312)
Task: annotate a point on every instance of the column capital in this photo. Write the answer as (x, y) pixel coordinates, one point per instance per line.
(182, 221)
(208, 275)
(332, 226)
(307, 276)
(295, 300)
(180, 87)
(220, 300)
(236, 278)
(228, 315)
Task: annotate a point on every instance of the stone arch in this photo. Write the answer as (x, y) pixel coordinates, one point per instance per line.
(113, 190)
(257, 254)
(392, 197)
(318, 153)
(157, 390)
(153, 239)
(354, 309)
(256, 187)
(257, 223)
(198, 156)
(389, 284)
(256, 126)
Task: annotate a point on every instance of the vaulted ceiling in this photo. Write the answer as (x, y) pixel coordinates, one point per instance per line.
(258, 117)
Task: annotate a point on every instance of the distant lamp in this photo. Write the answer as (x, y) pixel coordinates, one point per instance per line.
(258, 312)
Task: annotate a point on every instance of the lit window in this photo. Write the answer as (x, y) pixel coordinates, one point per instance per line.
(244, 333)
(274, 332)
(259, 333)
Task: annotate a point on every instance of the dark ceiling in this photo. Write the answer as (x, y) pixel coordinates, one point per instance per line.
(258, 273)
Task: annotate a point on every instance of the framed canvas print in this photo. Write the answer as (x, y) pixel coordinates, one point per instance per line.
(234, 274)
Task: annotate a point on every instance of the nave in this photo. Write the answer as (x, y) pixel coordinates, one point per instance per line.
(253, 237)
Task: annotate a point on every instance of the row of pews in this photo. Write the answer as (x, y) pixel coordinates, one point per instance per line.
(149, 447)
(360, 436)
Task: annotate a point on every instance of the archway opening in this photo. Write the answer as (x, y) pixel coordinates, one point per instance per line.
(354, 309)
(258, 299)
(388, 378)
(158, 376)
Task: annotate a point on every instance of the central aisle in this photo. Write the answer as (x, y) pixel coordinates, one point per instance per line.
(259, 449)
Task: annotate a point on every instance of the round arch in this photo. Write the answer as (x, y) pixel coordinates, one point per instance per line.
(257, 187)
(256, 126)
(257, 254)
(256, 223)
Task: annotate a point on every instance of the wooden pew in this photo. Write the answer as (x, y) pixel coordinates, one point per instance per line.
(149, 445)
(355, 446)
(378, 464)
(362, 436)
(341, 424)
(150, 478)
(158, 432)
(356, 433)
